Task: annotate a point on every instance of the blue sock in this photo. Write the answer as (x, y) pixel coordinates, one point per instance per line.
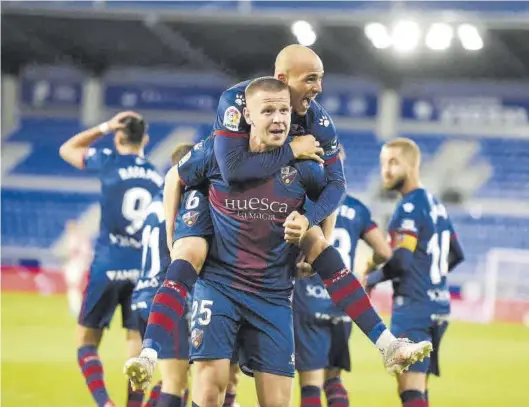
(413, 398)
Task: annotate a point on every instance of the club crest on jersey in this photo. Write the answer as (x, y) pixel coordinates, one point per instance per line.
(196, 337)
(288, 175)
(232, 118)
(190, 218)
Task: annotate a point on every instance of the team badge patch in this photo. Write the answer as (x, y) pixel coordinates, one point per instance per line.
(232, 118)
(190, 218)
(196, 337)
(288, 175)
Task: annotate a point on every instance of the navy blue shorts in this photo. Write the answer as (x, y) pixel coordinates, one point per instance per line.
(106, 290)
(194, 218)
(322, 344)
(225, 320)
(418, 329)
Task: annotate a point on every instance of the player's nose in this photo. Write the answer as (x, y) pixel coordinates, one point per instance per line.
(318, 87)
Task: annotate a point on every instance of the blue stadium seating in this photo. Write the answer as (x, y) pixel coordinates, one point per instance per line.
(36, 218)
(24, 223)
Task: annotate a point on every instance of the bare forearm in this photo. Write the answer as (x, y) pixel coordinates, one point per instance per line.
(74, 149)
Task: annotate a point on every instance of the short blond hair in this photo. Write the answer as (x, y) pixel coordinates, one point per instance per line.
(409, 148)
(180, 151)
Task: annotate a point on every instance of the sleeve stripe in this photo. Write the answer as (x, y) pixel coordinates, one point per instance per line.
(225, 133)
(332, 160)
(369, 228)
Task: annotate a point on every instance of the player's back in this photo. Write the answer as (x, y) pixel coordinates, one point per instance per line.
(421, 215)
(155, 254)
(310, 295)
(128, 184)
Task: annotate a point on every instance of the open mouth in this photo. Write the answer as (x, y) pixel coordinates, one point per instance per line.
(306, 102)
(276, 131)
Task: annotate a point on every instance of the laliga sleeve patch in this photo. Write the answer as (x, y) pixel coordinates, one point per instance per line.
(232, 118)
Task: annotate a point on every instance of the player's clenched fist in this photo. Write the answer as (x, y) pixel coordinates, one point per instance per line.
(306, 148)
(295, 225)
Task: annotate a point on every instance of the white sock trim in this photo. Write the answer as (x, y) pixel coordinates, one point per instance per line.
(149, 353)
(384, 340)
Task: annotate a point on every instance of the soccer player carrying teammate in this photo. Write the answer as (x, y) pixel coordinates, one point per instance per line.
(174, 352)
(128, 183)
(247, 267)
(321, 330)
(425, 250)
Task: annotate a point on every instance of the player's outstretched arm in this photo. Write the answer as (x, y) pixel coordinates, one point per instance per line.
(237, 164)
(74, 149)
(172, 194)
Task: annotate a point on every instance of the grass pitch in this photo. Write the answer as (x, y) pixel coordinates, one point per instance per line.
(482, 365)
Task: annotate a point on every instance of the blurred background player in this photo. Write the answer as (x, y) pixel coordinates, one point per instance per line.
(128, 183)
(78, 253)
(425, 250)
(321, 330)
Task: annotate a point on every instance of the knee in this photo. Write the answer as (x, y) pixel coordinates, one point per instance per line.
(191, 249)
(174, 383)
(210, 382)
(276, 399)
(88, 336)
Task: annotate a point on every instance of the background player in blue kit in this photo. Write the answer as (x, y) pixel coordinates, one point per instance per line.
(321, 330)
(128, 183)
(425, 250)
(174, 353)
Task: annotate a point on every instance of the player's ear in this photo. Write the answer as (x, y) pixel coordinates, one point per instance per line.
(282, 77)
(246, 114)
(145, 140)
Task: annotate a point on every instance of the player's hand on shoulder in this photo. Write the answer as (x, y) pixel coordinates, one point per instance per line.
(307, 148)
(116, 122)
(295, 226)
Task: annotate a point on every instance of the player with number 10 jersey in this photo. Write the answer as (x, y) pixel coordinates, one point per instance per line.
(425, 248)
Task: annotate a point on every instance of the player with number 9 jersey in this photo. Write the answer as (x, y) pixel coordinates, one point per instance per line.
(128, 183)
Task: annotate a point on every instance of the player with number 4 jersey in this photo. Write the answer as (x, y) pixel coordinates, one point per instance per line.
(425, 250)
(128, 183)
